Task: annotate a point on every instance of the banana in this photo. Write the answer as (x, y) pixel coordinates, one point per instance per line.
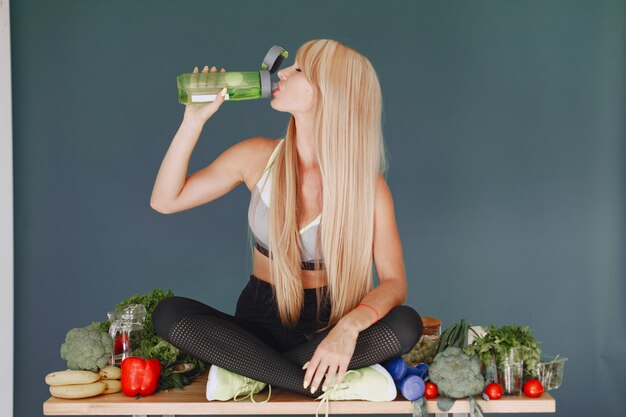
(110, 372)
(78, 391)
(112, 386)
(71, 377)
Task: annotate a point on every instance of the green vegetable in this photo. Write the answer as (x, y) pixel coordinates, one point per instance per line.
(172, 377)
(457, 375)
(154, 346)
(87, 348)
(164, 351)
(455, 335)
(497, 342)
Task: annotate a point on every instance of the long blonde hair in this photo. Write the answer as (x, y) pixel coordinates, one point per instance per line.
(350, 152)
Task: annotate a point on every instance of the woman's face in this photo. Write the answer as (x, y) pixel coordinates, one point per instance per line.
(295, 94)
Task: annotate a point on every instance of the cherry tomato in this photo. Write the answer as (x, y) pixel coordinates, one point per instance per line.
(533, 388)
(121, 343)
(493, 391)
(430, 391)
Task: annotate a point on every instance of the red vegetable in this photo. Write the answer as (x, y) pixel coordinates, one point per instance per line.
(121, 343)
(533, 388)
(431, 390)
(493, 391)
(139, 376)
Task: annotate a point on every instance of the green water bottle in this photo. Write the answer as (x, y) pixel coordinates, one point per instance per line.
(240, 85)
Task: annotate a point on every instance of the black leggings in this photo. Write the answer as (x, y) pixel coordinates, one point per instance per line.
(254, 344)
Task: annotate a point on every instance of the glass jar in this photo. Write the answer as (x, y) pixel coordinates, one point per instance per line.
(126, 331)
(510, 373)
(550, 371)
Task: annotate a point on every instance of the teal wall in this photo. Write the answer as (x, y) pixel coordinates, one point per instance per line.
(505, 125)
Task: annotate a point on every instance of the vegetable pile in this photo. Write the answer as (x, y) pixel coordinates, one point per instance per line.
(152, 346)
(177, 368)
(88, 351)
(497, 342)
(459, 367)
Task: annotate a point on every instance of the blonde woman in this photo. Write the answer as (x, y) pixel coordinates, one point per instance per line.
(309, 319)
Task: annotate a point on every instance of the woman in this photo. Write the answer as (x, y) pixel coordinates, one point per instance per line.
(309, 318)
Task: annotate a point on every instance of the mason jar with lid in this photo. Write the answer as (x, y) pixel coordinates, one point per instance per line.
(126, 331)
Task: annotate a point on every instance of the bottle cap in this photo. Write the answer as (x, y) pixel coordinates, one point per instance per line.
(272, 61)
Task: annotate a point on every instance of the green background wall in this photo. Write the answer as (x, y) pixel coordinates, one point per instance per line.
(505, 125)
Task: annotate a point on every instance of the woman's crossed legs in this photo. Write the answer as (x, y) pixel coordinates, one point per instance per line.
(244, 348)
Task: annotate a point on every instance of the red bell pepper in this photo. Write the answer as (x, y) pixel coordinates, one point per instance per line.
(139, 376)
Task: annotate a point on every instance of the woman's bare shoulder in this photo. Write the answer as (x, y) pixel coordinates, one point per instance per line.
(258, 151)
(260, 148)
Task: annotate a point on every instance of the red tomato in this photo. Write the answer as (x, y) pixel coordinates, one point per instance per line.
(493, 391)
(121, 343)
(533, 388)
(430, 391)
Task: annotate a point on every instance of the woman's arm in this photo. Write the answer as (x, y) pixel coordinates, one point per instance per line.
(221, 176)
(172, 175)
(392, 288)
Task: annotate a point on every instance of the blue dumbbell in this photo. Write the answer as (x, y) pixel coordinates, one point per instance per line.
(412, 387)
(398, 368)
(422, 370)
(409, 380)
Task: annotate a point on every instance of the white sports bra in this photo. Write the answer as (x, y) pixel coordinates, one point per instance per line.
(258, 220)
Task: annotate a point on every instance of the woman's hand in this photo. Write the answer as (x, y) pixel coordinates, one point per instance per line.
(331, 358)
(203, 112)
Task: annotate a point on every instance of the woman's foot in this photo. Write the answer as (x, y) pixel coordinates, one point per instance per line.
(223, 385)
(372, 383)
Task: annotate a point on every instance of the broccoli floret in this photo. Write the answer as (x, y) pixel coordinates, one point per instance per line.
(87, 348)
(456, 374)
